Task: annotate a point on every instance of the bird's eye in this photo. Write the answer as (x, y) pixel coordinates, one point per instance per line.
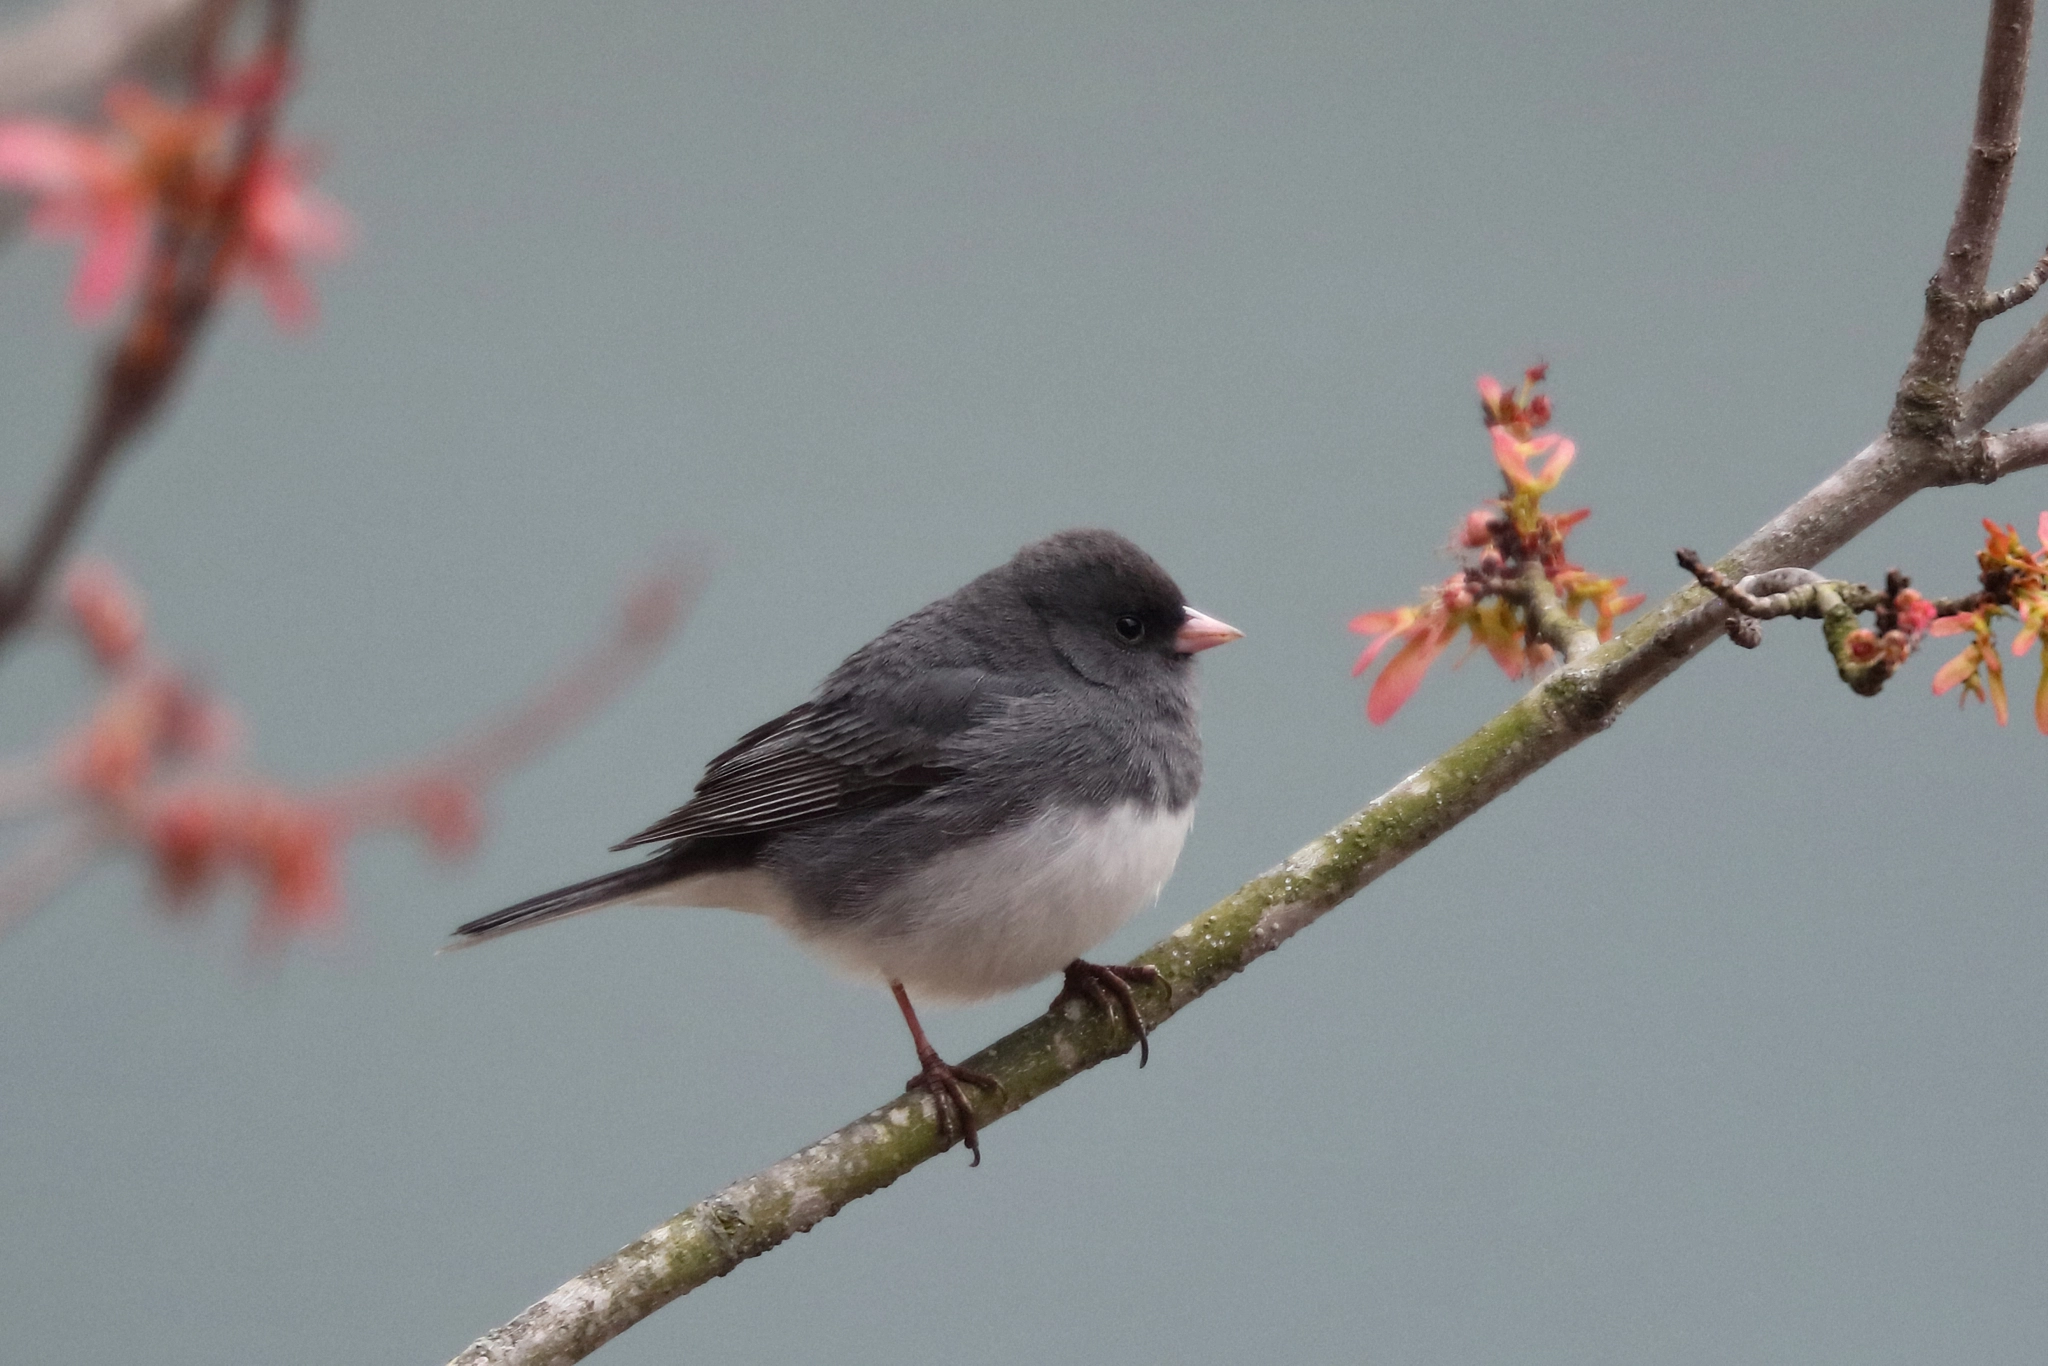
(1131, 629)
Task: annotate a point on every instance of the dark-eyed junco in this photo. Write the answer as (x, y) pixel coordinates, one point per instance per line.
(975, 798)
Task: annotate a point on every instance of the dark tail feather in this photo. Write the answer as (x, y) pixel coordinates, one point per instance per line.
(578, 896)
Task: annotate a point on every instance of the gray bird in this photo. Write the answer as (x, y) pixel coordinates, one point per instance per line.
(966, 805)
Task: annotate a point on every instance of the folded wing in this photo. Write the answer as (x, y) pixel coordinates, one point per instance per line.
(872, 748)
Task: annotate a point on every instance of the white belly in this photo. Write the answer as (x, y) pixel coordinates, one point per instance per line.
(1011, 909)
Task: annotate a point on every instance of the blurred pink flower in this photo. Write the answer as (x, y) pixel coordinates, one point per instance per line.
(150, 770)
(85, 186)
(287, 222)
(159, 162)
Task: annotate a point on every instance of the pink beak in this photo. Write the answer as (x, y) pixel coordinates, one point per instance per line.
(1201, 632)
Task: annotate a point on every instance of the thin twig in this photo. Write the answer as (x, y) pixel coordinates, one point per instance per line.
(2007, 378)
(2016, 293)
(2022, 448)
(1797, 598)
(1562, 631)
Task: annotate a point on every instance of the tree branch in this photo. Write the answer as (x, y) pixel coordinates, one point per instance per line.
(2009, 377)
(1563, 632)
(1926, 409)
(2022, 448)
(1787, 593)
(2014, 294)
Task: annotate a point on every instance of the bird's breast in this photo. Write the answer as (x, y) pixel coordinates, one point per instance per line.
(1013, 907)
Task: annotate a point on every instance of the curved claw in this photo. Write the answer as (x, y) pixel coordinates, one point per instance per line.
(1108, 985)
(941, 1080)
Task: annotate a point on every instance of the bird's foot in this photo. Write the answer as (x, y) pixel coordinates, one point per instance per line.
(1108, 985)
(942, 1080)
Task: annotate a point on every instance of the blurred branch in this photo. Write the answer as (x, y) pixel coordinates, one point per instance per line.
(154, 768)
(1925, 447)
(652, 612)
(183, 278)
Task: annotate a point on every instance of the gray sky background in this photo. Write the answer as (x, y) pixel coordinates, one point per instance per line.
(1720, 1041)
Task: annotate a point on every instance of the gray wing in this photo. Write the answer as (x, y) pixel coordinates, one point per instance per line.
(854, 751)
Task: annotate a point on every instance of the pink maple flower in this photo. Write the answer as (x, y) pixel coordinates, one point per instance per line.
(159, 161)
(1499, 543)
(285, 844)
(291, 847)
(1915, 612)
(1978, 669)
(1952, 625)
(1522, 411)
(105, 611)
(85, 186)
(1423, 631)
(146, 717)
(1403, 674)
(1480, 527)
(183, 832)
(1394, 623)
(288, 221)
(1514, 456)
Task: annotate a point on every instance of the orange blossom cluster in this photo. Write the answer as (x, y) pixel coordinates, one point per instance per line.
(2015, 583)
(1497, 545)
